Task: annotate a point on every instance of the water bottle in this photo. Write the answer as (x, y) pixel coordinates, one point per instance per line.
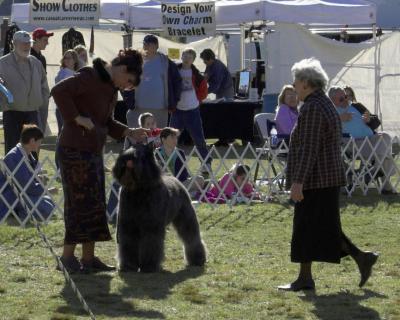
(273, 136)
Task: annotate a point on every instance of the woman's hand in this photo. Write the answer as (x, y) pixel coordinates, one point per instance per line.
(138, 134)
(366, 117)
(84, 122)
(296, 192)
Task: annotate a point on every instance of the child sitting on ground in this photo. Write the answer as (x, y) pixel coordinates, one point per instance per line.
(175, 159)
(236, 179)
(34, 192)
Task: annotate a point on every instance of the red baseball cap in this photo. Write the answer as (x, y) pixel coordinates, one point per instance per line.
(40, 32)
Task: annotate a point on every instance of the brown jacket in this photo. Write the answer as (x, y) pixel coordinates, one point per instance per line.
(314, 151)
(88, 95)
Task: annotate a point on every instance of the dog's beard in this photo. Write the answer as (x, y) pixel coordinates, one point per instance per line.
(127, 180)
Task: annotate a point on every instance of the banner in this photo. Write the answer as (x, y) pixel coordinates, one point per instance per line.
(188, 19)
(64, 12)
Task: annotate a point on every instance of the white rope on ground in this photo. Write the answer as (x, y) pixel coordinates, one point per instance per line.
(5, 170)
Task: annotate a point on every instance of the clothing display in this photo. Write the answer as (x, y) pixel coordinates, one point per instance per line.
(8, 45)
(71, 39)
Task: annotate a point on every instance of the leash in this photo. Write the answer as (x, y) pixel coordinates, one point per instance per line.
(9, 176)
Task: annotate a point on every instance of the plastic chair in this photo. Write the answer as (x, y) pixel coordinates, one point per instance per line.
(264, 123)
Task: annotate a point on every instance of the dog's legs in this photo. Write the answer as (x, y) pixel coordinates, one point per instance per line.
(151, 249)
(187, 228)
(128, 251)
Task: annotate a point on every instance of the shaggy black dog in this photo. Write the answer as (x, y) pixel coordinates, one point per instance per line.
(149, 201)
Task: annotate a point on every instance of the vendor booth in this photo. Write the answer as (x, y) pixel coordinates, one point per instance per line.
(340, 60)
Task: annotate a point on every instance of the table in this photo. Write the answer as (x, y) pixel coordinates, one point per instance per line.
(229, 120)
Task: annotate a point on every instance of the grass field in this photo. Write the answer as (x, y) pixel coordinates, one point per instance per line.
(248, 257)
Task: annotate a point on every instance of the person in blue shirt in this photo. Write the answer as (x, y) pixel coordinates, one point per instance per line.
(218, 76)
(30, 141)
(355, 125)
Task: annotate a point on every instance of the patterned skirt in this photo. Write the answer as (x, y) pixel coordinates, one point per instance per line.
(83, 181)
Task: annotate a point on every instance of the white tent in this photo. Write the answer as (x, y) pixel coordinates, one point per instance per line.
(107, 43)
(147, 14)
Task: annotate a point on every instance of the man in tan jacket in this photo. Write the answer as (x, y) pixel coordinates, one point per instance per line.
(25, 78)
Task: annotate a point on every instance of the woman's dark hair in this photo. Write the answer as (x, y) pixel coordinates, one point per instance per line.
(242, 170)
(133, 61)
(168, 131)
(207, 54)
(30, 131)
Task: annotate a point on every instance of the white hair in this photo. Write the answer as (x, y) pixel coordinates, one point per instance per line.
(310, 70)
(333, 91)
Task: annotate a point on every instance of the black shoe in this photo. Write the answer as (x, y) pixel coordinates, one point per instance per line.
(95, 265)
(365, 263)
(298, 285)
(71, 264)
(388, 192)
(367, 178)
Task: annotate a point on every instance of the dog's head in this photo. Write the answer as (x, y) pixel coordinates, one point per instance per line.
(137, 167)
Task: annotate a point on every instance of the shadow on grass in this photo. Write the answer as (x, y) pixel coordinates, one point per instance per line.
(156, 286)
(371, 200)
(343, 305)
(96, 290)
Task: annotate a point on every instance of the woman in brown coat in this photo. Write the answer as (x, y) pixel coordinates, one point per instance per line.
(86, 102)
(314, 175)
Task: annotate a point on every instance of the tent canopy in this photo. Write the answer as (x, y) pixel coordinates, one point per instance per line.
(147, 14)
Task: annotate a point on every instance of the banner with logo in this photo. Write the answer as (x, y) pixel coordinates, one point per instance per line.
(188, 19)
(64, 12)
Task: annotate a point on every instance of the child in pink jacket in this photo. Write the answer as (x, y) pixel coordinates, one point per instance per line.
(240, 174)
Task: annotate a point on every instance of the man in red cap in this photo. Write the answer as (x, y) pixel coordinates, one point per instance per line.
(40, 41)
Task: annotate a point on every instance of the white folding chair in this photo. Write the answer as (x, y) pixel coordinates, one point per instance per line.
(264, 122)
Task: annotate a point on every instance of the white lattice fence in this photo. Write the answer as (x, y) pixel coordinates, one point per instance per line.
(364, 162)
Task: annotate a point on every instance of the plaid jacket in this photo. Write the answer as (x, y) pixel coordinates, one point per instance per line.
(314, 152)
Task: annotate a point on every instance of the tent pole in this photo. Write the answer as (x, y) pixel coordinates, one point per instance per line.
(242, 47)
(377, 109)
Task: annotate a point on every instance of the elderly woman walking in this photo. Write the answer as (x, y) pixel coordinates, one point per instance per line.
(315, 174)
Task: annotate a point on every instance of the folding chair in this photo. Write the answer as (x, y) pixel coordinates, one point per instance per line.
(264, 123)
(362, 174)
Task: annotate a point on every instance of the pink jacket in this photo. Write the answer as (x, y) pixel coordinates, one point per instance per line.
(230, 188)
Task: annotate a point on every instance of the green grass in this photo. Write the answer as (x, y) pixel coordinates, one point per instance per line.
(248, 257)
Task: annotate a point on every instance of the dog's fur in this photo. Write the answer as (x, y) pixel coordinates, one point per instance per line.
(149, 201)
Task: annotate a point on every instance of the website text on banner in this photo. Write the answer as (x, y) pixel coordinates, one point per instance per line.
(188, 19)
(64, 12)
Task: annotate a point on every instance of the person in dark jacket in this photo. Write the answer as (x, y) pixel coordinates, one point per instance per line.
(40, 41)
(86, 102)
(315, 174)
(218, 76)
(160, 88)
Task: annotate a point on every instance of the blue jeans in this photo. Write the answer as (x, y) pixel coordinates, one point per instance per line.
(191, 121)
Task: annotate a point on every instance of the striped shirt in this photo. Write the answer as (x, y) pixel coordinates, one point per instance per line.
(314, 152)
